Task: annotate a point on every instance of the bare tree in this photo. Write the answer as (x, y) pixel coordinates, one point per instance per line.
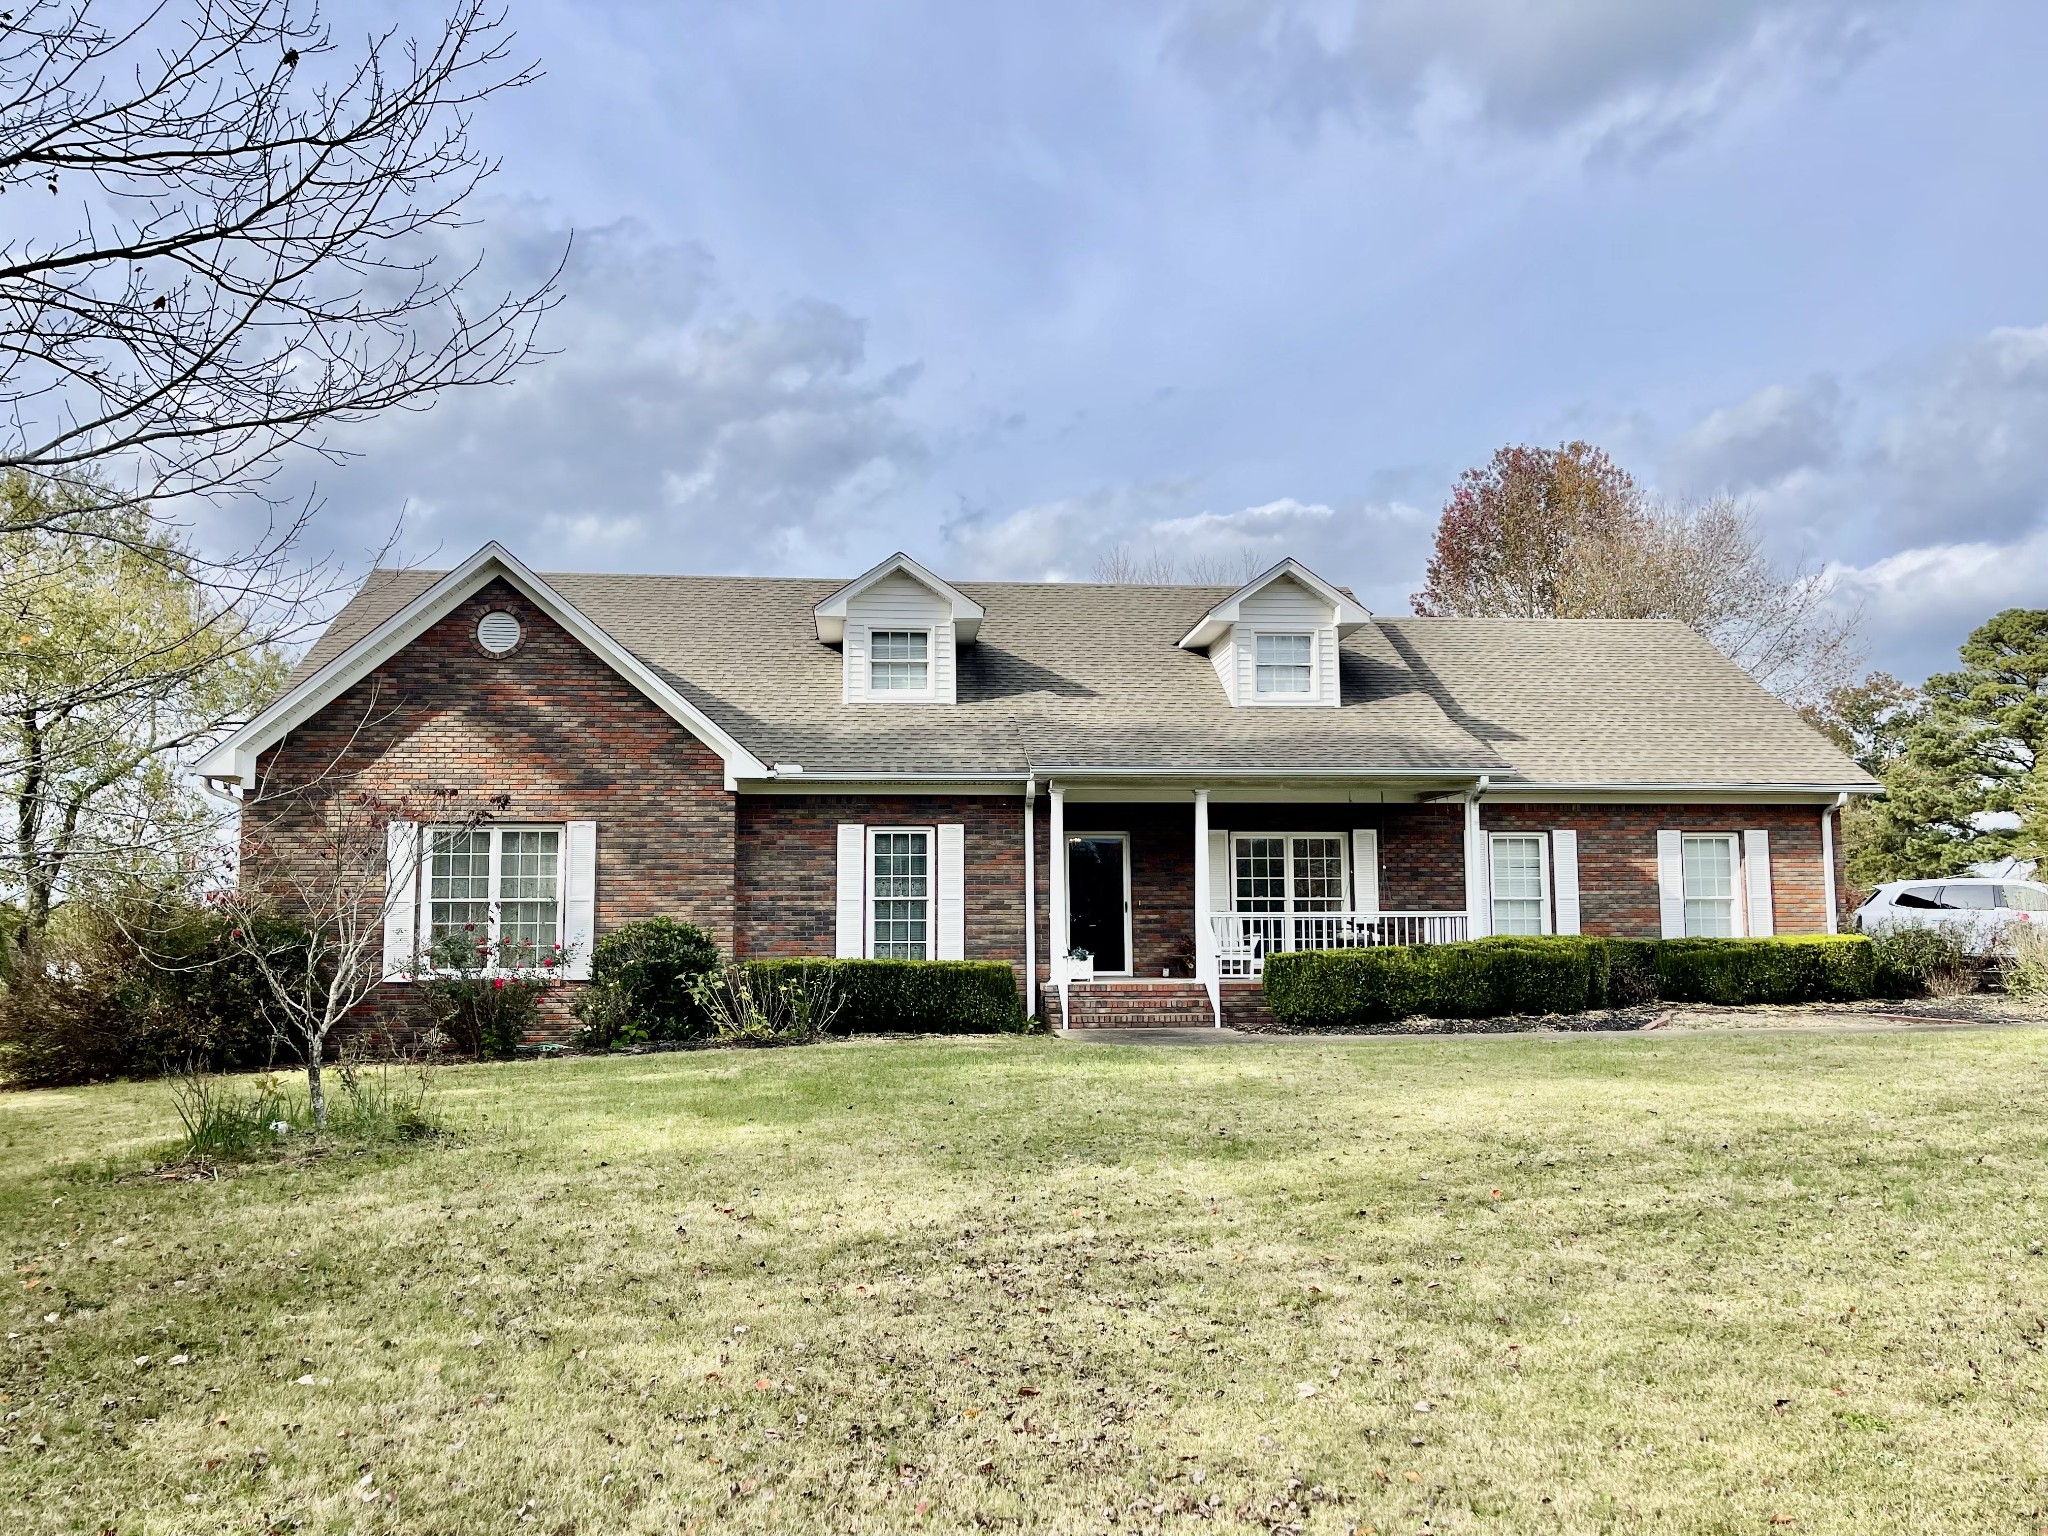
(1119, 566)
(321, 879)
(254, 246)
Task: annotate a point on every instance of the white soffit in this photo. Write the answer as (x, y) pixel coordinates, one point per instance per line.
(831, 613)
(1351, 614)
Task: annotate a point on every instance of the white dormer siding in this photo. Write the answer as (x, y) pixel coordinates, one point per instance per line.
(897, 602)
(1286, 607)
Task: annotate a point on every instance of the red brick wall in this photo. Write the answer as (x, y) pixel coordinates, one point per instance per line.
(788, 856)
(1618, 857)
(550, 727)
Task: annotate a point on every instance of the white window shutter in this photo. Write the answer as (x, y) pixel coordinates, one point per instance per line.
(952, 892)
(1671, 883)
(1756, 867)
(401, 909)
(1564, 879)
(855, 649)
(1365, 869)
(1222, 878)
(579, 898)
(853, 883)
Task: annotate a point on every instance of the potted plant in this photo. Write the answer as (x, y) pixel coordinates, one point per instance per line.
(1080, 964)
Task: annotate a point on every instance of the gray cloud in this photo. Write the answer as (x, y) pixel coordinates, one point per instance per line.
(1968, 454)
(1758, 442)
(1613, 76)
(671, 430)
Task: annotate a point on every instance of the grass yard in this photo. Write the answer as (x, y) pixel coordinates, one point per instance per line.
(1706, 1283)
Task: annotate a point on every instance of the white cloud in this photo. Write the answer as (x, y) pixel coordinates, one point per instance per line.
(1608, 76)
(1377, 549)
(1919, 604)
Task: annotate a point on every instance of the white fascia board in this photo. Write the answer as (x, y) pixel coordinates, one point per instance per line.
(235, 758)
(1351, 614)
(831, 613)
(1652, 794)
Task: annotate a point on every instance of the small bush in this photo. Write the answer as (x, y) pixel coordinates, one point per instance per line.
(939, 997)
(644, 978)
(780, 1005)
(1925, 962)
(149, 986)
(482, 1003)
(1487, 978)
(2026, 972)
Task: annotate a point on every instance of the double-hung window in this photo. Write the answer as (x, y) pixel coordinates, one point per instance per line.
(1519, 886)
(1283, 666)
(1710, 866)
(900, 894)
(1299, 872)
(498, 888)
(899, 660)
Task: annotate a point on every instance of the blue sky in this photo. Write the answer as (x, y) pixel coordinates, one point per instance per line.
(1008, 285)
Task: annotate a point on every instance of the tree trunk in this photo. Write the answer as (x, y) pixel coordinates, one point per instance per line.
(315, 1094)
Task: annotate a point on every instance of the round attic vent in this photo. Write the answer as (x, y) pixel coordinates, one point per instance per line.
(498, 633)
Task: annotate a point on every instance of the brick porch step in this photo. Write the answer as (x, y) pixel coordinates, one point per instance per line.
(1135, 1005)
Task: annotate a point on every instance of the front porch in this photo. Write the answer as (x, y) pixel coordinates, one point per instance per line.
(1162, 907)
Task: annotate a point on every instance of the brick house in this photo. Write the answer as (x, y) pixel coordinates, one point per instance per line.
(1130, 794)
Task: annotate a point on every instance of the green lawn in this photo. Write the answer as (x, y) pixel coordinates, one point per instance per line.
(1710, 1283)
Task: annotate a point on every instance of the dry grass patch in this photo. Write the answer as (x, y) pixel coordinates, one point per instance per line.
(1687, 1284)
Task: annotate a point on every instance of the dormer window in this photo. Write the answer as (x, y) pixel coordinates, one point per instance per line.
(1275, 639)
(899, 629)
(899, 660)
(1285, 665)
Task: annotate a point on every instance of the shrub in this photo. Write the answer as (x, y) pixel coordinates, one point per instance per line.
(2026, 973)
(940, 997)
(1735, 972)
(644, 978)
(1923, 962)
(482, 1003)
(770, 1005)
(148, 986)
(1340, 988)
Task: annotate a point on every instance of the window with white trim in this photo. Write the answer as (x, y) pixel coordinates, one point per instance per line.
(1284, 665)
(498, 887)
(1519, 883)
(899, 660)
(1711, 866)
(900, 894)
(1288, 872)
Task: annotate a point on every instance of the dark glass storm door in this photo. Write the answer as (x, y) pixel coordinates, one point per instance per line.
(1098, 901)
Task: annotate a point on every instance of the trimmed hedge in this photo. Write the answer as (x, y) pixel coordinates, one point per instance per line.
(1485, 978)
(938, 997)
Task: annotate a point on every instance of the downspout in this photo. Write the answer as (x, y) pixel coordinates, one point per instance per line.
(1477, 925)
(1031, 893)
(1827, 861)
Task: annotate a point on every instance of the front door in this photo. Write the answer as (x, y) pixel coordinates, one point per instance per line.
(1098, 900)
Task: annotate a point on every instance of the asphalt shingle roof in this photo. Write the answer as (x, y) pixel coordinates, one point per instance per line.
(1074, 675)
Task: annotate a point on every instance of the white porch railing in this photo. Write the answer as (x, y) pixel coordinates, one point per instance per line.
(1244, 939)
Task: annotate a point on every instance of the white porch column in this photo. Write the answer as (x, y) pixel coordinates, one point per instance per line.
(1205, 927)
(1478, 899)
(1827, 862)
(1058, 939)
(1031, 894)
